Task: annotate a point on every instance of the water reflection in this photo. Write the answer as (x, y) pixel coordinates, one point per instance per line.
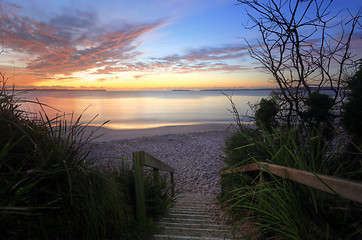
(144, 109)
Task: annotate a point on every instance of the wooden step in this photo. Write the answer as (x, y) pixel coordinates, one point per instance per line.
(164, 237)
(193, 218)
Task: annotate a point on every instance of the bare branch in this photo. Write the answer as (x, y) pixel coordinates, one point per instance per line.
(304, 46)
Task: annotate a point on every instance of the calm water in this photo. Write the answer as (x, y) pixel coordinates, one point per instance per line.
(145, 109)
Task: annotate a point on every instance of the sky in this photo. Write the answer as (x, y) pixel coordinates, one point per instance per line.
(130, 45)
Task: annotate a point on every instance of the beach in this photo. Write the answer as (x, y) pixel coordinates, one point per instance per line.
(195, 151)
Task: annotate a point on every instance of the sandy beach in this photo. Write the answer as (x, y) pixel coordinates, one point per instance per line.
(105, 134)
(195, 151)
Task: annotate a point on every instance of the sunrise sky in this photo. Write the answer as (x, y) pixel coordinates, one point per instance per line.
(130, 45)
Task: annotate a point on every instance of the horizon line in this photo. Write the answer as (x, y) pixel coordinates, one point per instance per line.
(144, 90)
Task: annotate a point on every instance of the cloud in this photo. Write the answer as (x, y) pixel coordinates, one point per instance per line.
(210, 53)
(70, 42)
(76, 41)
(138, 76)
(204, 59)
(102, 79)
(175, 65)
(196, 60)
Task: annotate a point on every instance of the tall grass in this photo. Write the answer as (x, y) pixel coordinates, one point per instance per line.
(50, 187)
(280, 208)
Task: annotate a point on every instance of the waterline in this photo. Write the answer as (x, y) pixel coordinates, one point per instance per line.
(139, 110)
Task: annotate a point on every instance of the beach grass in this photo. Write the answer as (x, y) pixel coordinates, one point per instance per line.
(51, 188)
(279, 208)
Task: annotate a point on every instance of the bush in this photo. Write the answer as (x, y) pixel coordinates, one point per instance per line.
(265, 115)
(239, 144)
(318, 114)
(319, 108)
(280, 208)
(352, 116)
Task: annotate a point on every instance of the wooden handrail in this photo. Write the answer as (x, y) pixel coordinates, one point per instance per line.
(346, 188)
(153, 162)
(141, 159)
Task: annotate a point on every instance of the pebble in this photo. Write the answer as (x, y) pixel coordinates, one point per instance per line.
(195, 156)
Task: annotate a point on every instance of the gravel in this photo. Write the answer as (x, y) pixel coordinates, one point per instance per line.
(195, 156)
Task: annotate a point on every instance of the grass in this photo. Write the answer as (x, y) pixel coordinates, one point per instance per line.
(50, 187)
(282, 209)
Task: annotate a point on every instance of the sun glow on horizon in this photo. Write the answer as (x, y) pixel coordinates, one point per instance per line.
(88, 46)
(128, 82)
(86, 49)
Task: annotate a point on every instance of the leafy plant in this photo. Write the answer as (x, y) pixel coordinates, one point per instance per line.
(352, 117)
(280, 208)
(266, 112)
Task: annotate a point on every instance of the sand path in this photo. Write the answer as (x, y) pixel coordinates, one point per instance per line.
(194, 151)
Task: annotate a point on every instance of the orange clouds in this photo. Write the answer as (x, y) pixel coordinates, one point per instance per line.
(70, 43)
(75, 48)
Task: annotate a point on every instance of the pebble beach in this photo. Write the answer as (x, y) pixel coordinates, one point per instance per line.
(196, 154)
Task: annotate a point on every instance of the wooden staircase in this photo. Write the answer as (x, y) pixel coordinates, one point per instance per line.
(193, 217)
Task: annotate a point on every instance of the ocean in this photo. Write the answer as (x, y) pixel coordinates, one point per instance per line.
(141, 109)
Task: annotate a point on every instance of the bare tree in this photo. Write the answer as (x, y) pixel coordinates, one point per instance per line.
(305, 46)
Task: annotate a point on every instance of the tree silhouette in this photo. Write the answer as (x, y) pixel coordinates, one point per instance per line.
(305, 47)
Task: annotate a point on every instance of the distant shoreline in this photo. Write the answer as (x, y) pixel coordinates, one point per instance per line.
(173, 90)
(58, 89)
(240, 89)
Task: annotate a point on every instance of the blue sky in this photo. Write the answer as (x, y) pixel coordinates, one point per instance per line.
(130, 45)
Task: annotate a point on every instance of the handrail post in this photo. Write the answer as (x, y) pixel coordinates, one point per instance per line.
(138, 160)
(141, 159)
(173, 185)
(156, 179)
(156, 176)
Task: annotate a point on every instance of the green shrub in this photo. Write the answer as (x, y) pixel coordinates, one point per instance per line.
(266, 112)
(319, 108)
(237, 146)
(319, 114)
(352, 116)
(280, 208)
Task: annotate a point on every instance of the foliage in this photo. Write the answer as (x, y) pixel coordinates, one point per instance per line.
(280, 208)
(352, 117)
(319, 107)
(51, 189)
(239, 145)
(305, 59)
(237, 148)
(318, 114)
(266, 112)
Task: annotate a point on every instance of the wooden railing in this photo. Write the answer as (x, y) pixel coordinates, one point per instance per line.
(345, 188)
(141, 159)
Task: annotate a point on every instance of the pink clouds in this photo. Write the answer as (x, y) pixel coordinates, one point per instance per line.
(76, 41)
(206, 59)
(211, 53)
(69, 43)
